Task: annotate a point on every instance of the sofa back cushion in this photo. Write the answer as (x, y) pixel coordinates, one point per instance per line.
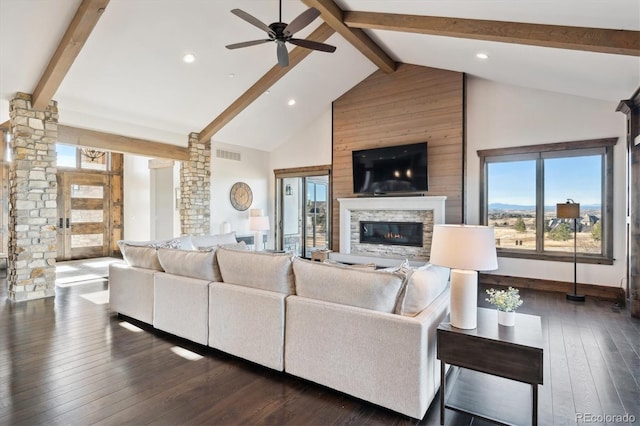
(141, 257)
(188, 263)
(264, 271)
(424, 285)
(363, 288)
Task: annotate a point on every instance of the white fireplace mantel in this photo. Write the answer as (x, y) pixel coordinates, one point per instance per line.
(435, 203)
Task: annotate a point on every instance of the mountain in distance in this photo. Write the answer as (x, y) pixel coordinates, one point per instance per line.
(518, 207)
(503, 206)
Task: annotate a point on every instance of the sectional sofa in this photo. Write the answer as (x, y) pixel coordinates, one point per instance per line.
(368, 333)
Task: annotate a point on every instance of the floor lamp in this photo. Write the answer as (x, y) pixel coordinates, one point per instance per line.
(466, 249)
(571, 210)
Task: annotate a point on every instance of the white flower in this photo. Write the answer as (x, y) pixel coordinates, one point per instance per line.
(505, 300)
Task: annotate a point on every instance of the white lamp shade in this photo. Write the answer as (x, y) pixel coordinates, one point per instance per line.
(259, 223)
(465, 247)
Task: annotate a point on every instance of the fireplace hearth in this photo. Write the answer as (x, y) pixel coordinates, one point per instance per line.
(391, 233)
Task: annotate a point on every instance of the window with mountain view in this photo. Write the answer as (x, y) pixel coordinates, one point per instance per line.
(521, 187)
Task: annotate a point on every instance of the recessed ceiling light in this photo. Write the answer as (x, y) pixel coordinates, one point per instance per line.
(482, 56)
(231, 75)
(189, 58)
(268, 92)
(291, 102)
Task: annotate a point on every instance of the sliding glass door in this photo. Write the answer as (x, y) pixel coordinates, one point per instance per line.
(303, 211)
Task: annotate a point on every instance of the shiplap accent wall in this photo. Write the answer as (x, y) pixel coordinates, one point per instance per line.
(413, 104)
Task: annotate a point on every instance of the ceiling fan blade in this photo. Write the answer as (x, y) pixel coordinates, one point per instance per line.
(253, 21)
(283, 54)
(301, 21)
(247, 44)
(312, 45)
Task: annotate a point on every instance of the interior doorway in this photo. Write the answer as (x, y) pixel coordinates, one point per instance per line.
(83, 215)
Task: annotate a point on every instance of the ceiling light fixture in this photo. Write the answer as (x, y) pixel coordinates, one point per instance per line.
(92, 154)
(189, 58)
(482, 56)
(231, 75)
(291, 102)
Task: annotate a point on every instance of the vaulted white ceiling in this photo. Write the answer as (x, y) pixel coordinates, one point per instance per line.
(129, 78)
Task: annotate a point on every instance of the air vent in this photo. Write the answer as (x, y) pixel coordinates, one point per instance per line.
(228, 155)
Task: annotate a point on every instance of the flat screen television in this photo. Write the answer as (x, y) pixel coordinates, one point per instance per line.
(392, 169)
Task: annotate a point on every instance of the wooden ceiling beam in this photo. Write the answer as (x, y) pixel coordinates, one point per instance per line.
(6, 125)
(333, 15)
(74, 38)
(621, 42)
(321, 34)
(109, 142)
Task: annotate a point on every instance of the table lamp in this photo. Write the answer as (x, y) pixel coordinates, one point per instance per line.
(571, 210)
(465, 249)
(257, 224)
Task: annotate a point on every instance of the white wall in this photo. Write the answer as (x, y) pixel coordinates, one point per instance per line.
(137, 198)
(500, 116)
(311, 146)
(254, 170)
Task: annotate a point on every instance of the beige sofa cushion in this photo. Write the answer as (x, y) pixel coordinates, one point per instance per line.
(355, 287)
(141, 257)
(189, 263)
(265, 271)
(424, 285)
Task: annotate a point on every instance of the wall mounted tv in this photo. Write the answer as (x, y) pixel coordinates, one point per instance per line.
(392, 169)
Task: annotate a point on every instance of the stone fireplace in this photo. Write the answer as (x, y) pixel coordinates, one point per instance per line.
(379, 226)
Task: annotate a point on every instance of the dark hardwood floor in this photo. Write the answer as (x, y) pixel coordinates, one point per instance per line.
(69, 360)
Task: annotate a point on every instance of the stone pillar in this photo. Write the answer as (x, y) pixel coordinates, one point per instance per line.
(32, 199)
(195, 188)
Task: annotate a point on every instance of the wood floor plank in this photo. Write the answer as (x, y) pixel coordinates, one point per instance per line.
(69, 361)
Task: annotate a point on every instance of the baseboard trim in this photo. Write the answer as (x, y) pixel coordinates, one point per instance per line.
(590, 290)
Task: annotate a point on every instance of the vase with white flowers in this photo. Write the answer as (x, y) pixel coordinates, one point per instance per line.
(506, 301)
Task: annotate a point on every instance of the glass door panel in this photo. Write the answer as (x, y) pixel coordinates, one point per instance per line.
(316, 214)
(292, 196)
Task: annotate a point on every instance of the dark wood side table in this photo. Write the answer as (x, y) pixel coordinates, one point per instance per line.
(485, 357)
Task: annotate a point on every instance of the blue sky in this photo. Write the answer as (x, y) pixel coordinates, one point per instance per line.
(578, 178)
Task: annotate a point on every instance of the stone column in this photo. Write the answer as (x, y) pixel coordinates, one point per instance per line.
(32, 199)
(195, 188)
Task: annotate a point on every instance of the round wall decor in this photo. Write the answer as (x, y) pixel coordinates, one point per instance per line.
(241, 196)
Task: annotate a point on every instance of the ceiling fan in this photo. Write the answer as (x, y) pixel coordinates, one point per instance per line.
(281, 33)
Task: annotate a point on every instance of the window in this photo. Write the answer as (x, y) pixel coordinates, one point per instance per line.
(521, 186)
(82, 158)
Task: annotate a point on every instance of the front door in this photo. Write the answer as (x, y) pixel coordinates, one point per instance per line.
(83, 215)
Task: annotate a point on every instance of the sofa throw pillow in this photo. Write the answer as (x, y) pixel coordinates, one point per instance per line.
(363, 288)
(213, 240)
(141, 257)
(235, 246)
(265, 271)
(183, 243)
(189, 263)
(424, 285)
(352, 266)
